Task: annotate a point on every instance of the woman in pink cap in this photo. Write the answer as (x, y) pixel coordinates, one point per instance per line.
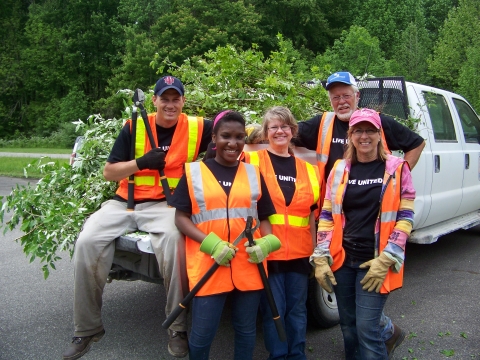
(365, 222)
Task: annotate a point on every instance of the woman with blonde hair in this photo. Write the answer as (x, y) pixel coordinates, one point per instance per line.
(366, 219)
(294, 188)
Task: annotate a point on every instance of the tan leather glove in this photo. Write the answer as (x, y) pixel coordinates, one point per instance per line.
(324, 274)
(375, 277)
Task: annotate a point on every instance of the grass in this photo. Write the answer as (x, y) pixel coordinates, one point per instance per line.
(13, 166)
(37, 150)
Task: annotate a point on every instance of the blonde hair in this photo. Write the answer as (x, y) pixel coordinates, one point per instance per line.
(351, 152)
(285, 116)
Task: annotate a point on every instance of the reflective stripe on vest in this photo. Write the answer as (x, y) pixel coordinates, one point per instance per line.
(325, 137)
(192, 140)
(226, 217)
(218, 214)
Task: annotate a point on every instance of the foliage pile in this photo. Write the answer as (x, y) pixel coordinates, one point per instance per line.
(51, 212)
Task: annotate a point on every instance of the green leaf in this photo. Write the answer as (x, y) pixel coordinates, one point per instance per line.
(448, 353)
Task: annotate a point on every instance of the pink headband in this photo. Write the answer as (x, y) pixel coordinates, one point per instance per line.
(217, 119)
(219, 116)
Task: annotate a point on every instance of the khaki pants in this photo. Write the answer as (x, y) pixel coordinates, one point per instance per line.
(94, 251)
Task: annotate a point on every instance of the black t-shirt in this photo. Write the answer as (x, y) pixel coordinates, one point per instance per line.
(225, 176)
(398, 137)
(361, 205)
(286, 174)
(122, 147)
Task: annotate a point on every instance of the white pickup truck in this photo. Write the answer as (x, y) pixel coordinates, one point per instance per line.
(446, 178)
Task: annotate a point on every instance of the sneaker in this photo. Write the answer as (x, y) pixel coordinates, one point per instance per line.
(81, 345)
(178, 343)
(395, 341)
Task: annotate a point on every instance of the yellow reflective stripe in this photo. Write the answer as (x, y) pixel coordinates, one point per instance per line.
(254, 159)
(145, 180)
(314, 181)
(297, 221)
(140, 140)
(192, 138)
(173, 182)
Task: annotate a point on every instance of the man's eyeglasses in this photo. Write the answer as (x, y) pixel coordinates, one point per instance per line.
(344, 97)
(359, 132)
(274, 129)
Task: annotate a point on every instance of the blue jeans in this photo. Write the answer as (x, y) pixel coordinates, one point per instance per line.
(361, 314)
(290, 293)
(206, 314)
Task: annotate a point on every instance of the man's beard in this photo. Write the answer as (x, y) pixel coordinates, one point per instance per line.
(345, 116)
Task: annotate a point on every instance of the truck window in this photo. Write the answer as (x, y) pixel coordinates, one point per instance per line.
(442, 122)
(470, 121)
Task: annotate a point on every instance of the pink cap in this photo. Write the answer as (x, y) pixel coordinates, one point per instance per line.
(367, 115)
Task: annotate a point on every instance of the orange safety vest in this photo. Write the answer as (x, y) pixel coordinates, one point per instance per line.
(291, 224)
(214, 211)
(324, 141)
(390, 203)
(184, 148)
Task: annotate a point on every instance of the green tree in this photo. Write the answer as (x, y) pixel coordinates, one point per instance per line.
(13, 16)
(385, 20)
(356, 51)
(436, 11)
(469, 79)
(312, 25)
(460, 33)
(411, 54)
(69, 47)
(184, 29)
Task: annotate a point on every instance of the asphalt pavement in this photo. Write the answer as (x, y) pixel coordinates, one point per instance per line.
(438, 306)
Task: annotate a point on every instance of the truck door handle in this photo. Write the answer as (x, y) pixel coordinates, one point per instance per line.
(467, 161)
(437, 163)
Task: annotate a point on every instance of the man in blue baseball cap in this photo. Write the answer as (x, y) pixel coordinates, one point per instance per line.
(327, 135)
(174, 132)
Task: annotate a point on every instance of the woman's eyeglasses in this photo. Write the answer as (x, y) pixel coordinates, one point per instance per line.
(274, 129)
(359, 132)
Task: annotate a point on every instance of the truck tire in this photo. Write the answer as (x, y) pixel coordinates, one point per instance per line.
(321, 306)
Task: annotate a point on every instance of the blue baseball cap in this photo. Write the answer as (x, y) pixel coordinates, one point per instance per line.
(168, 82)
(343, 77)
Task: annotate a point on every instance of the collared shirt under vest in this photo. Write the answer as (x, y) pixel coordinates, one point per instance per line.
(214, 211)
(183, 149)
(291, 224)
(389, 205)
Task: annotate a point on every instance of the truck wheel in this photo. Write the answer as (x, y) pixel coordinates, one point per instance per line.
(321, 306)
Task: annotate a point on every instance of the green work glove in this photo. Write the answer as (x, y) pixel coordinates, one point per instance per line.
(263, 246)
(324, 274)
(221, 251)
(375, 277)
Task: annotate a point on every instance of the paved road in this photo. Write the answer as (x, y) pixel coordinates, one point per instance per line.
(438, 305)
(53, 156)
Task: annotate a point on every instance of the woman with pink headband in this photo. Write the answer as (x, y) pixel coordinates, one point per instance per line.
(213, 200)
